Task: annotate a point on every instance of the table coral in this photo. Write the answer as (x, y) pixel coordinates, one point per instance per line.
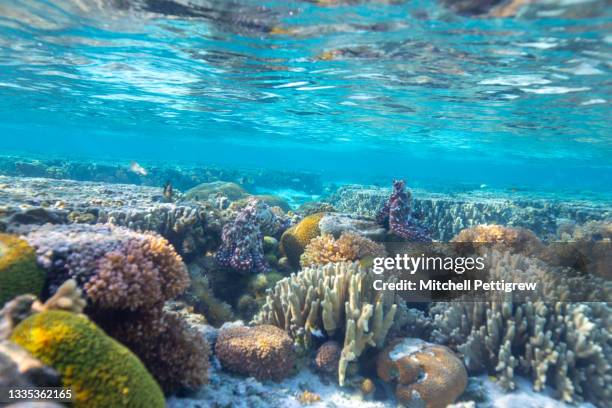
(426, 374)
(118, 268)
(395, 215)
(242, 247)
(19, 273)
(330, 299)
(100, 371)
(264, 352)
(349, 247)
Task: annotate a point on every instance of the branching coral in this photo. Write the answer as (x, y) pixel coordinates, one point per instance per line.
(117, 268)
(349, 247)
(100, 371)
(242, 247)
(19, 273)
(555, 336)
(333, 299)
(264, 351)
(396, 216)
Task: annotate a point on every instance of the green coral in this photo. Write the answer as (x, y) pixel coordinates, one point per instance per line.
(294, 240)
(19, 273)
(100, 371)
(204, 191)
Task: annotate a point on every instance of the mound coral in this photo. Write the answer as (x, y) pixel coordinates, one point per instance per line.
(264, 352)
(327, 358)
(295, 239)
(349, 247)
(173, 352)
(332, 299)
(515, 240)
(100, 371)
(395, 215)
(204, 191)
(426, 374)
(19, 273)
(117, 268)
(242, 247)
(558, 336)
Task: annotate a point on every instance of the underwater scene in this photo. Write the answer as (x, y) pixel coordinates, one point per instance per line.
(305, 203)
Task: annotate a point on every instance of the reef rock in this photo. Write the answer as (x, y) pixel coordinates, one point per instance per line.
(264, 351)
(426, 374)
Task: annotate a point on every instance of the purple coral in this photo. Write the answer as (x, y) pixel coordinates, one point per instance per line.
(118, 268)
(395, 215)
(242, 246)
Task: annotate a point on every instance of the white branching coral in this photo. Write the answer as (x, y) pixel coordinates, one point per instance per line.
(560, 336)
(331, 299)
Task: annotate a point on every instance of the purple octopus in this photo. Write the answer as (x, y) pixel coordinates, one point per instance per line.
(395, 215)
(242, 247)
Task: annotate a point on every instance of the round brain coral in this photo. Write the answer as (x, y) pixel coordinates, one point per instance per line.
(294, 240)
(100, 371)
(264, 352)
(349, 247)
(516, 240)
(19, 273)
(426, 374)
(118, 268)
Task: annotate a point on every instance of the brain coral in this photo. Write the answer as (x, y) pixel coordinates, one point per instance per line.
(264, 351)
(516, 240)
(328, 357)
(19, 273)
(174, 353)
(118, 268)
(294, 240)
(349, 247)
(100, 371)
(426, 374)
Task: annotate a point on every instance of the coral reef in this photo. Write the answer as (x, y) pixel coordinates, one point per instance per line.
(242, 247)
(264, 351)
(515, 240)
(19, 273)
(313, 207)
(201, 297)
(205, 191)
(559, 336)
(395, 215)
(332, 299)
(426, 374)
(117, 268)
(338, 223)
(294, 240)
(174, 353)
(101, 372)
(349, 247)
(327, 357)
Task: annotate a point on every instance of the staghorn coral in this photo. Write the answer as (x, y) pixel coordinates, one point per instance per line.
(395, 215)
(116, 267)
(19, 273)
(295, 239)
(174, 353)
(332, 299)
(559, 336)
(426, 374)
(264, 352)
(100, 371)
(242, 247)
(349, 247)
(515, 240)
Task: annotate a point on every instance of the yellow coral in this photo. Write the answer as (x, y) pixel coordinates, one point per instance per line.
(19, 273)
(516, 240)
(349, 247)
(100, 371)
(294, 240)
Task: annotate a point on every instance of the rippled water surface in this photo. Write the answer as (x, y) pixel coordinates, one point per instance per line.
(361, 92)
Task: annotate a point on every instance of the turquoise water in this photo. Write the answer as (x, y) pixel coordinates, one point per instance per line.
(359, 92)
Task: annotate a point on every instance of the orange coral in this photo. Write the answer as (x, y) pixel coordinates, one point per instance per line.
(328, 357)
(264, 352)
(516, 240)
(349, 247)
(295, 239)
(430, 373)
